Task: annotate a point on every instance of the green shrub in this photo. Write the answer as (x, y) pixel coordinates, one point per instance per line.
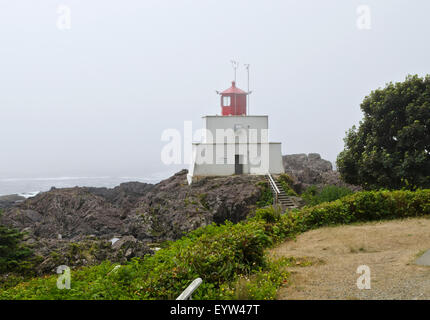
(310, 195)
(266, 195)
(366, 206)
(218, 254)
(268, 214)
(327, 194)
(287, 184)
(263, 284)
(14, 256)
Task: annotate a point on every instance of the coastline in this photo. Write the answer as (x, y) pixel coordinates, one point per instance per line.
(30, 187)
(16, 190)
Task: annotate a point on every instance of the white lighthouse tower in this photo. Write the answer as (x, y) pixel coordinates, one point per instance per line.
(235, 142)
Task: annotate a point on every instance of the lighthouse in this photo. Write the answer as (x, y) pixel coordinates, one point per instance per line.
(235, 142)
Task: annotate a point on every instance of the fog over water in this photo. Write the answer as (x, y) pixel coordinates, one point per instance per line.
(91, 102)
(28, 187)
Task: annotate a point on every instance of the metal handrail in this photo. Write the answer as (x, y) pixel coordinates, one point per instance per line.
(186, 294)
(272, 182)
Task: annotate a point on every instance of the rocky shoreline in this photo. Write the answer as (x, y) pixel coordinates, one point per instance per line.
(75, 226)
(9, 201)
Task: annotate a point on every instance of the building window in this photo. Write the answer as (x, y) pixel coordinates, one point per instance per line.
(226, 101)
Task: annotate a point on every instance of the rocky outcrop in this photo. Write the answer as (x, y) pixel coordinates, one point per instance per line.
(163, 211)
(73, 226)
(311, 169)
(51, 253)
(173, 207)
(77, 212)
(72, 213)
(10, 200)
(299, 162)
(124, 196)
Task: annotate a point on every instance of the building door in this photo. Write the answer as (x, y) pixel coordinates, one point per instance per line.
(238, 167)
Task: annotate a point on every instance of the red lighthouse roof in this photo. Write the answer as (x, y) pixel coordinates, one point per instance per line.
(233, 89)
(233, 101)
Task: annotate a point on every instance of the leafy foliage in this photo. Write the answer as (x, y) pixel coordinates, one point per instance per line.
(268, 214)
(263, 284)
(266, 195)
(365, 206)
(287, 184)
(313, 196)
(230, 258)
(13, 255)
(391, 147)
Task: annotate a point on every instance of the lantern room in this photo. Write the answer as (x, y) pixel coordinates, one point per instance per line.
(233, 101)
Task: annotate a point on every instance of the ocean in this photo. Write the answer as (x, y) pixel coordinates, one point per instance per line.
(29, 187)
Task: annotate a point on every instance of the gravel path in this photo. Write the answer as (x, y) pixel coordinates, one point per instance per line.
(389, 249)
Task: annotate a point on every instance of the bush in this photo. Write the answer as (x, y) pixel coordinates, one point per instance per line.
(268, 214)
(13, 255)
(217, 254)
(266, 195)
(366, 206)
(262, 285)
(313, 196)
(287, 184)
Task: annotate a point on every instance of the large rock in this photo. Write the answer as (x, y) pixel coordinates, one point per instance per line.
(70, 212)
(311, 169)
(10, 200)
(300, 162)
(158, 212)
(124, 196)
(129, 247)
(173, 207)
(52, 253)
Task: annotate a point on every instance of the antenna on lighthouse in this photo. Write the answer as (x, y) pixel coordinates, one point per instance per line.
(235, 65)
(247, 96)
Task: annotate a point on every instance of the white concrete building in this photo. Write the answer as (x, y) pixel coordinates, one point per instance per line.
(235, 143)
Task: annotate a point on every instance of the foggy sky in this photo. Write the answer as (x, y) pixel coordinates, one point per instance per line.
(94, 100)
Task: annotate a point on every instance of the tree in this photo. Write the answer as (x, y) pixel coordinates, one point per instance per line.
(13, 255)
(391, 147)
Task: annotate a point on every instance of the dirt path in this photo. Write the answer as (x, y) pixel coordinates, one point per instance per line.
(388, 248)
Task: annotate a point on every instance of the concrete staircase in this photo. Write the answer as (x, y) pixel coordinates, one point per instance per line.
(279, 195)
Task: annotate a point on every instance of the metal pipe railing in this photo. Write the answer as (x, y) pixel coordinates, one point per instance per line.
(275, 188)
(186, 294)
(272, 182)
